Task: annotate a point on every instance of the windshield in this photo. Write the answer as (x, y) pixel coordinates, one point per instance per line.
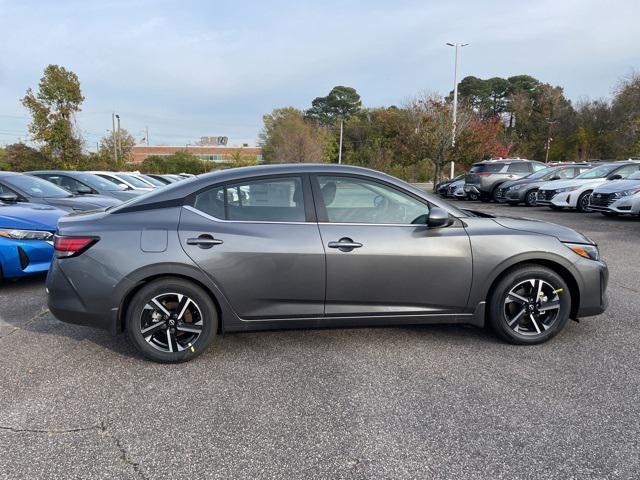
(598, 172)
(97, 182)
(35, 187)
(542, 173)
(153, 181)
(136, 182)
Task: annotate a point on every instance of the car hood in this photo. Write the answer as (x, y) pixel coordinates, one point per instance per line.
(564, 234)
(30, 216)
(613, 186)
(557, 184)
(92, 202)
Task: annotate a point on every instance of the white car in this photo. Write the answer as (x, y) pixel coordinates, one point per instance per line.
(617, 198)
(575, 193)
(129, 182)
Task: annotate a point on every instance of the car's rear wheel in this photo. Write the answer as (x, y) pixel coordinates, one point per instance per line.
(583, 202)
(529, 305)
(531, 198)
(171, 320)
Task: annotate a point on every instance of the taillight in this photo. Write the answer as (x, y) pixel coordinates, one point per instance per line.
(483, 174)
(70, 246)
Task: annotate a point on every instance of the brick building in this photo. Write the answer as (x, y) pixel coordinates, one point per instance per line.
(217, 154)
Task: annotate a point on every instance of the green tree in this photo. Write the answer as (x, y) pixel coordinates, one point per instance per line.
(289, 137)
(625, 109)
(342, 102)
(53, 110)
(179, 162)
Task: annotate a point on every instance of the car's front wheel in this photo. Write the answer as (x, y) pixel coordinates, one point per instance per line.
(171, 320)
(529, 305)
(531, 198)
(583, 202)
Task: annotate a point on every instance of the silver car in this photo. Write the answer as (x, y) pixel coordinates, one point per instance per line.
(617, 198)
(295, 246)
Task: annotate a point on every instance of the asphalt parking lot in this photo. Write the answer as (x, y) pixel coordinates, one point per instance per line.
(412, 402)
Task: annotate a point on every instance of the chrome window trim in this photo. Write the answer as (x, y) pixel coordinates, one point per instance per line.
(216, 219)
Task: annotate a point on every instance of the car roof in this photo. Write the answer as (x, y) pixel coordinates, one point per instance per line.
(174, 193)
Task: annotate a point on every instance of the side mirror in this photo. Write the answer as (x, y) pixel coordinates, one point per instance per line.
(554, 178)
(438, 217)
(83, 190)
(8, 197)
(124, 186)
(615, 176)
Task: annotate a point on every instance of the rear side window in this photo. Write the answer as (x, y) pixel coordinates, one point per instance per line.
(486, 167)
(519, 167)
(266, 200)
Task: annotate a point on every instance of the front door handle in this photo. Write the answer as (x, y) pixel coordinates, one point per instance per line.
(345, 244)
(204, 241)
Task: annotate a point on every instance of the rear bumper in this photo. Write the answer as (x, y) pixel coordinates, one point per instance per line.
(66, 305)
(20, 258)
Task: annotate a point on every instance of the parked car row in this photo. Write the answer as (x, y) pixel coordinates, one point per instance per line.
(31, 204)
(612, 188)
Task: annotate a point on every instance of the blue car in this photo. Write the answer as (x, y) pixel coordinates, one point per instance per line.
(26, 238)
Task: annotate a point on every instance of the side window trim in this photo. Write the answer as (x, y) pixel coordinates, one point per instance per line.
(321, 210)
(310, 213)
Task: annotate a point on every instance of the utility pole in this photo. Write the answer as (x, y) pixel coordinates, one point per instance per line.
(455, 91)
(340, 151)
(147, 135)
(113, 135)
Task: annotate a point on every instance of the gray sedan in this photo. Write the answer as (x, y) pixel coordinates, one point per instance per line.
(17, 187)
(293, 246)
(83, 183)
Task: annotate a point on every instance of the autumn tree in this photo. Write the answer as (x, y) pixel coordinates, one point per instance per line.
(124, 142)
(289, 137)
(53, 108)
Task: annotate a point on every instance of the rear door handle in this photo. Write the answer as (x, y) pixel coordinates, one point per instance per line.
(204, 241)
(345, 244)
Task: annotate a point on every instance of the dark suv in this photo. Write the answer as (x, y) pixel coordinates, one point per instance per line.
(484, 178)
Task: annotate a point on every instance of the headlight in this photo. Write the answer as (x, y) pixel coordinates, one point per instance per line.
(587, 251)
(516, 187)
(26, 234)
(567, 189)
(626, 193)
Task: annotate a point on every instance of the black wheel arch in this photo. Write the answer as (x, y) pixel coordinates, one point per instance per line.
(144, 276)
(557, 267)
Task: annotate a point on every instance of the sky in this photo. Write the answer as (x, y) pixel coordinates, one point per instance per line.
(192, 68)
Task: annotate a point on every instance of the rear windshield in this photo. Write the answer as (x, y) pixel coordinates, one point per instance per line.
(486, 167)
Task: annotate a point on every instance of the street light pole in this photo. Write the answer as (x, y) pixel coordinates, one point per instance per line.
(455, 91)
(118, 137)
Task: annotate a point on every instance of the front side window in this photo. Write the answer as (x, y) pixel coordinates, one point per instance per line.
(266, 200)
(356, 200)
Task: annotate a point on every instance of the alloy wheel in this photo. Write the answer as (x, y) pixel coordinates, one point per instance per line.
(532, 198)
(532, 307)
(171, 322)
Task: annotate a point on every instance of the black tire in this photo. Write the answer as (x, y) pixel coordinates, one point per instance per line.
(582, 205)
(530, 198)
(188, 344)
(473, 197)
(531, 330)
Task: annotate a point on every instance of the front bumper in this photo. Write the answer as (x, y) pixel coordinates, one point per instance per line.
(515, 195)
(19, 258)
(563, 199)
(629, 205)
(593, 292)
